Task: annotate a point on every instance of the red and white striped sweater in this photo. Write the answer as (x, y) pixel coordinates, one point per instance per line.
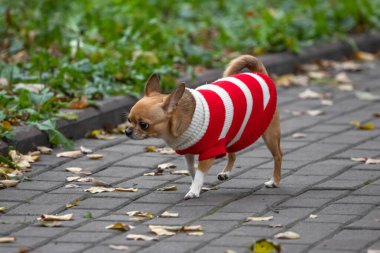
(230, 114)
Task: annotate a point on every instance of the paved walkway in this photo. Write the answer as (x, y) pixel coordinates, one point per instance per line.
(318, 178)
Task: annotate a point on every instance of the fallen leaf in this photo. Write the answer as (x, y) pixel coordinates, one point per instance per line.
(364, 56)
(78, 103)
(97, 182)
(265, 246)
(343, 78)
(72, 179)
(32, 87)
(140, 214)
(137, 237)
(206, 189)
(376, 115)
(276, 225)
(167, 214)
(118, 247)
(287, 235)
(73, 203)
(7, 239)
(121, 189)
(152, 174)
(44, 150)
(309, 94)
(95, 156)
(309, 67)
(166, 151)
(23, 250)
(50, 224)
(166, 166)
(359, 159)
(72, 186)
(348, 66)
(314, 112)
(313, 216)
(180, 172)
(150, 148)
(22, 161)
(120, 226)
(367, 96)
(49, 217)
(70, 154)
(230, 251)
(168, 188)
(67, 115)
(253, 218)
(359, 125)
(2, 209)
(85, 150)
(197, 233)
(327, 102)
(372, 161)
(299, 135)
(346, 87)
(317, 75)
(160, 230)
(75, 170)
(9, 183)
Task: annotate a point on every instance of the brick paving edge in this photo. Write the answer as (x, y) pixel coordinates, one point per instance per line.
(110, 111)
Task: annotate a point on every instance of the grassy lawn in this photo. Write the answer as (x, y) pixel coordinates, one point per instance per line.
(76, 52)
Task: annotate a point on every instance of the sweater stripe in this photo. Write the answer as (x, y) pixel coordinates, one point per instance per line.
(264, 88)
(228, 105)
(248, 98)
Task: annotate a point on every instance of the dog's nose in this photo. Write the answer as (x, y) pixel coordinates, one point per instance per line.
(128, 132)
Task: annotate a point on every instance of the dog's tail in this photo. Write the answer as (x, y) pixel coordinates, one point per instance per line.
(245, 61)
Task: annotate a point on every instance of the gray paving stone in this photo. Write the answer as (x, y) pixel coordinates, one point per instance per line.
(6, 229)
(368, 190)
(242, 183)
(323, 194)
(154, 208)
(334, 184)
(170, 247)
(121, 172)
(357, 199)
(363, 175)
(369, 221)
(217, 226)
(327, 167)
(302, 180)
(234, 241)
(40, 231)
(355, 209)
(103, 203)
(304, 202)
(58, 176)
(62, 247)
(311, 232)
(17, 195)
(39, 185)
(333, 218)
(145, 162)
(82, 237)
(252, 203)
(82, 216)
(36, 209)
(218, 249)
(106, 248)
(56, 198)
(257, 231)
(161, 197)
(27, 241)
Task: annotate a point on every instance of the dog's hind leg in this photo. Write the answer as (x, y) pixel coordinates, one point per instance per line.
(190, 164)
(272, 138)
(230, 164)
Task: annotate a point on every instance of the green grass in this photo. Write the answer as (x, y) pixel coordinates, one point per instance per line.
(96, 48)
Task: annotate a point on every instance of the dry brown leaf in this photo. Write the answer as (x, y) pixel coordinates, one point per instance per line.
(348, 66)
(180, 172)
(342, 78)
(49, 224)
(74, 170)
(168, 188)
(254, 218)
(72, 186)
(372, 161)
(359, 159)
(118, 247)
(276, 225)
(313, 216)
(167, 214)
(85, 150)
(72, 179)
(140, 214)
(206, 189)
(97, 182)
(70, 154)
(192, 228)
(376, 115)
(44, 150)
(317, 75)
(9, 183)
(78, 103)
(95, 156)
(120, 226)
(364, 56)
(314, 112)
(299, 135)
(76, 202)
(121, 189)
(7, 239)
(287, 235)
(309, 67)
(309, 94)
(166, 166)
(160, 230)
(49, 217)
(137, 237)
(22, 161)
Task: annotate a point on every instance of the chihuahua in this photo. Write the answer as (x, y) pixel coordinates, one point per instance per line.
(213, 120)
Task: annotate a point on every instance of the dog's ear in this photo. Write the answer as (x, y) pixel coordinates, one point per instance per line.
(152, 85)
(172, 100)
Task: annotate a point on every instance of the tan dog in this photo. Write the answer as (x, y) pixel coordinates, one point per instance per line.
(183, 116)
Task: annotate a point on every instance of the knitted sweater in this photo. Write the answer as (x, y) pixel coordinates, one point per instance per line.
(230, 114)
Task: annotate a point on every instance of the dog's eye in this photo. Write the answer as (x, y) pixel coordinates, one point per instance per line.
(143, 125)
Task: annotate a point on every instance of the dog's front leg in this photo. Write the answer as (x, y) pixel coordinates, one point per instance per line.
(197, 184)
(190, 165)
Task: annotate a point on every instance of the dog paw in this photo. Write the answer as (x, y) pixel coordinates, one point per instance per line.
(191, 195)
(271, 184)
(222, 176)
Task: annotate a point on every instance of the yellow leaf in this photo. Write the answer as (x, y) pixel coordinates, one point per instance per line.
(265, 246)
(150, 149)
(73, 203)
(364, 56)
(120, 226)
(359, 125)
(2, 209)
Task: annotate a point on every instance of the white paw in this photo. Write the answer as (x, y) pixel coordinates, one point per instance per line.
(222, 176)
(271, 184)
(191, 195)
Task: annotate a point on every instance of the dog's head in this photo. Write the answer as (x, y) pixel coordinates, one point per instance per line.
(152, 115)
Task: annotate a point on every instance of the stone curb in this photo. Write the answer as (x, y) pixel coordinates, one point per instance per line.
(110, 111)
